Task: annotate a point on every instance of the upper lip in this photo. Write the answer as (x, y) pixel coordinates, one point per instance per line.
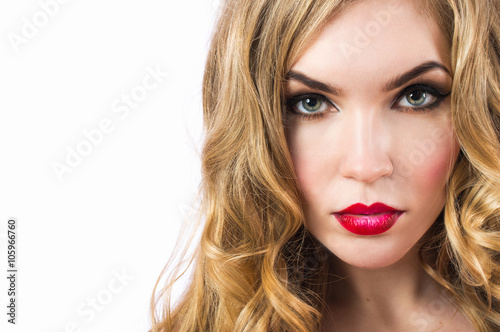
(360, 208)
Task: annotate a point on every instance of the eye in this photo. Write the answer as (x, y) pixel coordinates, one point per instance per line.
(309, 106)
(419, 97)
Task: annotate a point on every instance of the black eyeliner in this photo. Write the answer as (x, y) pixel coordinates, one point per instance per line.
(300, 96)
(292, 101)
(425, 87)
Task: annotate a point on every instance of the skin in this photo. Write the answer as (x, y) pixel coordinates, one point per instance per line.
(366, 148)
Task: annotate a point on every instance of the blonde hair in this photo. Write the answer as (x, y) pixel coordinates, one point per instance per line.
(256, 267)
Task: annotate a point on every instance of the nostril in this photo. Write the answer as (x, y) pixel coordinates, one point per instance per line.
(366, 168)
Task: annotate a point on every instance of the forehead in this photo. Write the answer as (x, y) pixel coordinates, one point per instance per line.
(374, 38)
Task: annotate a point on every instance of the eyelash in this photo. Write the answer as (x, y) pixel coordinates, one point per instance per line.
(291, 102)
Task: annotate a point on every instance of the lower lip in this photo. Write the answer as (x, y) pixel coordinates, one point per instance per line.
(370, 224)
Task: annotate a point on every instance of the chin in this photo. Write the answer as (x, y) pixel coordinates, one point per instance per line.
(373, 263)
(371, 258)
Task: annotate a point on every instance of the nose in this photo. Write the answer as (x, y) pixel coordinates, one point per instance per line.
(366, 146)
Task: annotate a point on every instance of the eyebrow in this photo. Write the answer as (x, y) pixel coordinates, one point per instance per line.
(313, 84)
(391, 85)
(415, 72)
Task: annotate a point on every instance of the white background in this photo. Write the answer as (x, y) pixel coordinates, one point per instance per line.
(119, 209)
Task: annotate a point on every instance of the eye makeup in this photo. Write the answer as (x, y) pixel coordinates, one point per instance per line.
(299, 104)
(436, 96)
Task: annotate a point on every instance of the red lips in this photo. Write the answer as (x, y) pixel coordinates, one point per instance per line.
(359, 208)
(368, 220)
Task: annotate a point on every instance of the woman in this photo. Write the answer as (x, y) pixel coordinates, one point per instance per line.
(350, 169)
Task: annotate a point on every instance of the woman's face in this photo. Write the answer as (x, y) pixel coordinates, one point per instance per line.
(369, 122)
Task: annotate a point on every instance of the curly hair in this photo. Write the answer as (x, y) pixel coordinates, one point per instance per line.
(256, 267)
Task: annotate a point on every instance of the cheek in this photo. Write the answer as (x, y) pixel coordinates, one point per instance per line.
(314, 161)
(425, 166)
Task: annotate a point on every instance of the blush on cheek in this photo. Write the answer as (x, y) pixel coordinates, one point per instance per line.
(305, 158)
(438, 166)
(429, 153)
(307, 178)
